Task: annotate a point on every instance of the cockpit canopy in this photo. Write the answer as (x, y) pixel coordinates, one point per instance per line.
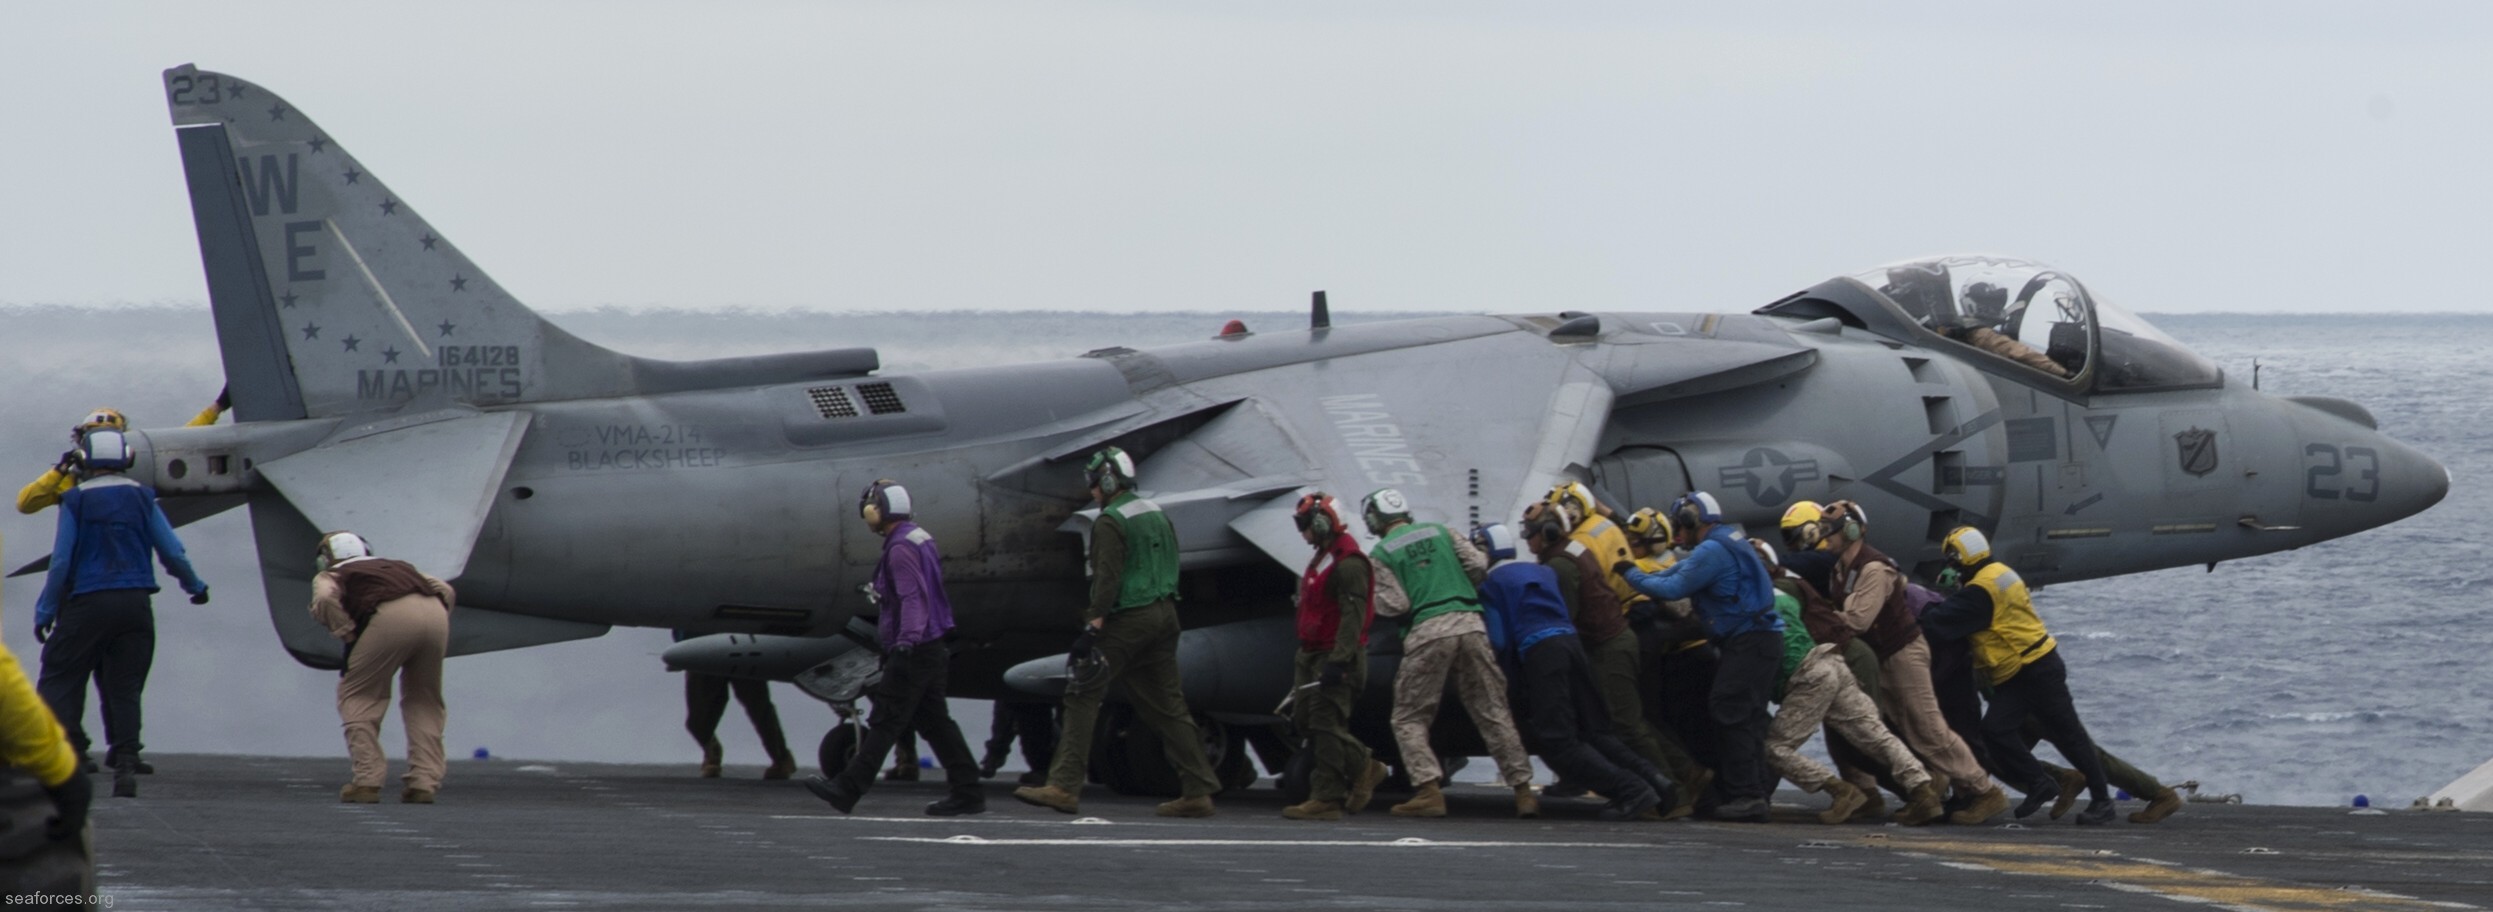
(2038, 323)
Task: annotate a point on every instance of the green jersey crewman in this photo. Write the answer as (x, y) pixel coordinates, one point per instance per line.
(1131, 628)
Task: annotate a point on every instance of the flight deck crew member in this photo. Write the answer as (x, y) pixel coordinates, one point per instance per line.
(1131, 625)
(1334, 595)
(2019, 659)
(1677, 664)
(1731, 591)
(1429, 578)
(33, 746)
(95, 616)
(1869, 592)
(1601, 626)
(916, 614)
(1814, 687)
(705, 703)
(47, 489)
(1561, 714)
(394, 620)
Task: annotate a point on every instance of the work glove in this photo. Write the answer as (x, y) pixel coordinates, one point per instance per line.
(1644, 614)
(70, 463)
(1085, 644)
(200, 597)
(43, 631)
(71, 797)
(1621, 568)
(1333, 675)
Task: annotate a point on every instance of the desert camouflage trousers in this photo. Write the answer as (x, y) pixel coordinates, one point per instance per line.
(1420, 686)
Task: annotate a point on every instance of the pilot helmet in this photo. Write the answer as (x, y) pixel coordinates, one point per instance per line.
(1983, 304)
(1382, 508)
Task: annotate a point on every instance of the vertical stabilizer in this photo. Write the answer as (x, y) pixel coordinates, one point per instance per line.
(332, 294)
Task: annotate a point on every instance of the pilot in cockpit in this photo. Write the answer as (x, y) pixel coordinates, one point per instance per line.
(1983, 321)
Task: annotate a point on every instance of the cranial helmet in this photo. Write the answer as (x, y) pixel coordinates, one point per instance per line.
(1497, 540)
(106, 448)
(1574, 498)
(1804, 525)
(1110, 470)
(1383, 507)
(339, 547)
(883, 500)
(1966, 546)
(1315, 513)
(1695, 508)
(1649, 525)
(104, 418)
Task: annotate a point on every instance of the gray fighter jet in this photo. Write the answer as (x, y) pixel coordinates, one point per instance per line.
(382, 382)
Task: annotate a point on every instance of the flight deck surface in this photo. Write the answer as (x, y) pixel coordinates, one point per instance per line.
(225, 832)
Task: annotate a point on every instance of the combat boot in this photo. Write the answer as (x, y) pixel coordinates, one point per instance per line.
(360, 794)
(1050, 797)
(2037, 798)
(1190, 806)
(1363, 790)
(1925, 806)
(1841, 800)
(125, 778)
(1312, 809)
(2159, 806)
(416, 796)
(1873, 806)
(1430, 801)
(958, 805)
(1527, 804)
(1693, 794)
(712, 758)
(781, 768)
(2097, 813)
(1987, 804)
(836, 792)
(2071, 782)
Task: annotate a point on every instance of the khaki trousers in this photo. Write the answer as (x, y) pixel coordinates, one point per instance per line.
(407, 637)
(1420, 686)
(1822, 690)
(1906, 694)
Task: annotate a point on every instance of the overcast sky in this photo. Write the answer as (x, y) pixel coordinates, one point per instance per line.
(1427, 155)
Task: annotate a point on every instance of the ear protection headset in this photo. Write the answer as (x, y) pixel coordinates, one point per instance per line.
(1383, 507)
(1693, 510)
(1315, 513)
(1546, 522)
(1496, 539)
(884, 499)
(1110, 470)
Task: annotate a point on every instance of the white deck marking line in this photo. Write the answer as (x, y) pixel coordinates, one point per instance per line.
(1358, 843)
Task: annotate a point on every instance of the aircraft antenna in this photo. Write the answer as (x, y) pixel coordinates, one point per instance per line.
(1318, 317)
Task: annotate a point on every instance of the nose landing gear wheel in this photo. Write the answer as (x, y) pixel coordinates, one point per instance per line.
(839, 745)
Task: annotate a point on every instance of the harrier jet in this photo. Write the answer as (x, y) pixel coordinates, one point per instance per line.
(381, 381)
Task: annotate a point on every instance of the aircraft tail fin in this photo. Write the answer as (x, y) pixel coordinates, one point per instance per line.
(333, 295)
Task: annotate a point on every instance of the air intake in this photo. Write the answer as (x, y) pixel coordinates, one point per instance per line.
(832, 402)
(880, 399)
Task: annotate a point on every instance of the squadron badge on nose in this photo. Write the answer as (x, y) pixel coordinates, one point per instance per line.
(2198, 450)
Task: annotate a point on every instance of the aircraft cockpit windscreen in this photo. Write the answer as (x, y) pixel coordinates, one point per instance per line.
(2026, 313)
(2136, 357)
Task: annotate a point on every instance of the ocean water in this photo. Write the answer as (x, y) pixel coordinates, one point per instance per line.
(2351, 667)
